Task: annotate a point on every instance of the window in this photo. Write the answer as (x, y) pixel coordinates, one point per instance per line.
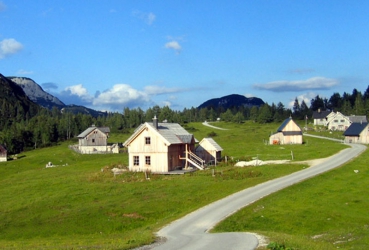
(147, 140)
(335, 120)
(147, 160)
(93, 140)
(136, 161)
(342, 120)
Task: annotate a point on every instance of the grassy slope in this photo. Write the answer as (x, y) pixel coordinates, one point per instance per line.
(327, 212)
(77, 205)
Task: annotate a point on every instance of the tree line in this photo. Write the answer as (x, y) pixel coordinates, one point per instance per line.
(19, 132)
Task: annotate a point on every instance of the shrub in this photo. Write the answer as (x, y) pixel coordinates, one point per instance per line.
(276, 246)
(212, 134)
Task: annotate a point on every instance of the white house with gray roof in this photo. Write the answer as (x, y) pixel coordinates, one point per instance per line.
(161, 148)
(94, 140)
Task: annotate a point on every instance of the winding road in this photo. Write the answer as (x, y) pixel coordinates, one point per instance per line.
(191, 231)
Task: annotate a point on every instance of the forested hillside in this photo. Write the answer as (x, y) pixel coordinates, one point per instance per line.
(25, 126)
(15, 106)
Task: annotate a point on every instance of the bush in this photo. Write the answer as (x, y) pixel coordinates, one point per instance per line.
(212, 134)
(276, 246)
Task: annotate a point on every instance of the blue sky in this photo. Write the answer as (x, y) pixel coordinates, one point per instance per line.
(112, 54)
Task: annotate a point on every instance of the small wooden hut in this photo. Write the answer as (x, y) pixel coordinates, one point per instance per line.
(209, 150)
(288, 133)
(357, 133)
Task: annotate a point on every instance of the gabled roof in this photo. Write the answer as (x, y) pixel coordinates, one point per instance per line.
(357, 118)
(92, 128)
(355, 129)
(212, 143)
(284, 124)
(172, 133)
(337, 115)
(321, 114)
(106, 130)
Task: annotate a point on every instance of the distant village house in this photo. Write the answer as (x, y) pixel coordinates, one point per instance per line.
(321, 117)
(95, 140)
(357, 133)
(288, 133)
(336, 120)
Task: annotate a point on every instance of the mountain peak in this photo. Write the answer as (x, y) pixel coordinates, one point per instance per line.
(233, 100)
(36, 94)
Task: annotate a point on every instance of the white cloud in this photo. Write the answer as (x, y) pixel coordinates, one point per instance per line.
(307, 97)
(116, 97)
(120, 95)
(314, 83)
(173, 45)
(9, 46)
(78, 90)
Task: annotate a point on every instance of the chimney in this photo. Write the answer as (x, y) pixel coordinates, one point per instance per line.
(155, 122)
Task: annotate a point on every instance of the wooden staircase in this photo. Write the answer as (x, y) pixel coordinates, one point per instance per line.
(193, 159)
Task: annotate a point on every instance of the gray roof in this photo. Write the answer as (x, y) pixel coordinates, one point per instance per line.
(355, 129)
(320, 114)
(171, 132)
(357, 118)
(213, 143)
(92, 128)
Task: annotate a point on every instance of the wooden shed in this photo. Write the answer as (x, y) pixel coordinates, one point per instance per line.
(161, 148)
(93, 140)
(357, 133)
(3, 153)
(288, 133)
(209, 151)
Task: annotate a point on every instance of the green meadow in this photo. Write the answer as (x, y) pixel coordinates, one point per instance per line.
(79, 203)
(329, 211)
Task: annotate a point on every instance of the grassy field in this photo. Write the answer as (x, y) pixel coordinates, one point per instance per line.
(77, 205)
(327, 212)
